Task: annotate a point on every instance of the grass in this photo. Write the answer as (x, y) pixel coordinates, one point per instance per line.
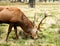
(46, 38)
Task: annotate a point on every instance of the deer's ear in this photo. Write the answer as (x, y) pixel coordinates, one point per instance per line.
(35, 20)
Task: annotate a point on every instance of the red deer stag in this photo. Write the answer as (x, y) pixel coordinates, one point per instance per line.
(15, 17)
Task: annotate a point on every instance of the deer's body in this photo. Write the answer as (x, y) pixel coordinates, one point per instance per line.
(15, 17)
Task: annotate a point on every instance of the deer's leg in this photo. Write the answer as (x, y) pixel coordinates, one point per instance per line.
(15, 29)
(9, 30)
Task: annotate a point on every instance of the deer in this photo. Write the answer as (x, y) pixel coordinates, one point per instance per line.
(15, 17)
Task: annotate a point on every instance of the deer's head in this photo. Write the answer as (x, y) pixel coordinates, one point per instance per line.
(31, 28)
(36, 27)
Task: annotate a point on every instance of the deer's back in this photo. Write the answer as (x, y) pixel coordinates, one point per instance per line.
(10, 14)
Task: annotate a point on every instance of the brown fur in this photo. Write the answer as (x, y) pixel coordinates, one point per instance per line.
(15, 17)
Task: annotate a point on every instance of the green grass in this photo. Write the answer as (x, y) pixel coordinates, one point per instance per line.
(46, 38)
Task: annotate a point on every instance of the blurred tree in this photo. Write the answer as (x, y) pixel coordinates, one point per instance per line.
(53, 0)
(23, 0)
(13, 1)
(32, 3)
(19, 0)
(42, 0)
(45, 0)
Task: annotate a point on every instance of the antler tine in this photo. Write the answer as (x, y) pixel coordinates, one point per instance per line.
(41, 21)
(35, 19)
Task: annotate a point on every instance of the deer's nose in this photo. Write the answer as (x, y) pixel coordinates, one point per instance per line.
(35, 37)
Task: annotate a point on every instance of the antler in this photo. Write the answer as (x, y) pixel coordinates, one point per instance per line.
(35, 19)
(41, 21)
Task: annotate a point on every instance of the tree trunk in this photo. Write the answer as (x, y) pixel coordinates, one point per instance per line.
(19, 0)
(32, 3)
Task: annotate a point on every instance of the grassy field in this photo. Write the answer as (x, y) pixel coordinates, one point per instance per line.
(50, 35)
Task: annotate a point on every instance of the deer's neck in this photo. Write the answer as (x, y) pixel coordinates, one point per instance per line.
(26, 24)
